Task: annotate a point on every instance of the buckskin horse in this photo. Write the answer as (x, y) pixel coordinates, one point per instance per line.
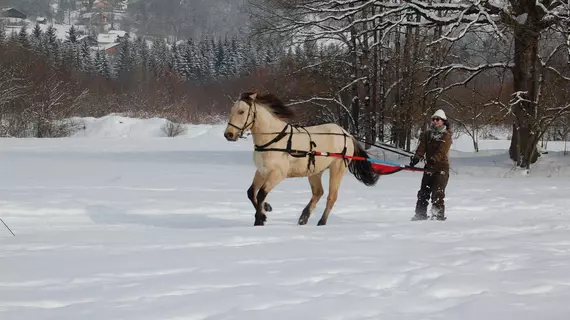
(283, 150)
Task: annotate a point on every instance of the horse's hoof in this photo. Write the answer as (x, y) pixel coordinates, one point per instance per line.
(267, 207)
(322, 223)
(260, 219)
(303, 220)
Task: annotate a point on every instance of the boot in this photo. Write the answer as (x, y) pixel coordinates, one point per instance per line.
(438, 214)
(419, 216)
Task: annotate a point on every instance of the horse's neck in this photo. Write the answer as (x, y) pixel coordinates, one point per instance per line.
(266, 127)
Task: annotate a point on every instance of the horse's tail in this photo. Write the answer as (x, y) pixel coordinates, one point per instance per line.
(361, 169)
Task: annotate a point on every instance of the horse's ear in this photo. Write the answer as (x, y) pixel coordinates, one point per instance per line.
(253, 96)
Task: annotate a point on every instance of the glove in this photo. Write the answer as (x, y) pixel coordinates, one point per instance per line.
(414, 160)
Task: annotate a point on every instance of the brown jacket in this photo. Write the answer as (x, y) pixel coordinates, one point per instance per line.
(435, 150)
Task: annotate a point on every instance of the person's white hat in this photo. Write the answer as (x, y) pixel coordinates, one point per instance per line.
(439, 113)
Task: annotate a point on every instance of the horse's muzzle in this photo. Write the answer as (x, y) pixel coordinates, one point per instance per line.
(230, 136)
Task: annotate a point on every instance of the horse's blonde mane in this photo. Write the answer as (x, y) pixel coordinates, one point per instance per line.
(271, 102)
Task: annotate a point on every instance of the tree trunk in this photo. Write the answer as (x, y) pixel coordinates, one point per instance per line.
(355, 100)
(397, 132)
(370, 122)
(372, 69)
(525, 74)
(382, 74)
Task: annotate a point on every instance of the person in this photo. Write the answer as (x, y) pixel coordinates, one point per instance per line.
(433, 147)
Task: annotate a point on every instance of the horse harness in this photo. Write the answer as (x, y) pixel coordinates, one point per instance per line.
(242, 129)
(288, 130)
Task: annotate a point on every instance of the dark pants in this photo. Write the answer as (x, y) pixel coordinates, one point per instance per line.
(433, 184)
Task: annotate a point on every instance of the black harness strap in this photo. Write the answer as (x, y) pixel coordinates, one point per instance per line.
(246, 124)
(277, 138)
(344, 150)
(311, 154)
(289, 149)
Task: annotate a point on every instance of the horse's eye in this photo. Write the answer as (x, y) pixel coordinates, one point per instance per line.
(241, 112)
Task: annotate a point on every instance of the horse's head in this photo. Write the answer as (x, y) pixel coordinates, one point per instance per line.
(242, 117)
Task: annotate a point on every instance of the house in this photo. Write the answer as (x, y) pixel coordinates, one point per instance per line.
(113, 36)
(13, 17)
(94, 18)
(13, 13)
(105, 38)
(101, 5)
(110, 49)
(119, 33)
(91, 41)
(108, 4)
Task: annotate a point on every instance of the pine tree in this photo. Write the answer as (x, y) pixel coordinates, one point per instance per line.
(206, 59)
(68, 55)
(185, 62)
(194, 60)
(2, 32)
(124, 64)
(36, 39)
(219, 61)
(50, 46)
(23, 37)
(175, 54)
(160, 58)
(235, 56)
(101, 65)
(85, 58)
(72, 34)
(142, 56)
(51, 36)
(250, 62)
(37, 32)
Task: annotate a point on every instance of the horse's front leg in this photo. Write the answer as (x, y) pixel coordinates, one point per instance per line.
(254, 188)
(273, 179)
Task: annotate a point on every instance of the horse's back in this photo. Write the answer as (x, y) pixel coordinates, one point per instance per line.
(331, 137)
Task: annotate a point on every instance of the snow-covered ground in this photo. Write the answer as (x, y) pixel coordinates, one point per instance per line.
(118, 222)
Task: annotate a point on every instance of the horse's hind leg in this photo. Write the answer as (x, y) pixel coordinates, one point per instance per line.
(317, 191)
(337, 171)
(273, 179)
(252, 191)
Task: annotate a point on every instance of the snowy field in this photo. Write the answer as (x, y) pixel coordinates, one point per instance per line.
(120, 223)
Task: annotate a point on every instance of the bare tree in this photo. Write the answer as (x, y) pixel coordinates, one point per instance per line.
(173, 129)
(11, 89)
(517, 23)
(50, 103)
(365, 32)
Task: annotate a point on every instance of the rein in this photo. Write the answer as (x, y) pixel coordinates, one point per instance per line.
(383, 146)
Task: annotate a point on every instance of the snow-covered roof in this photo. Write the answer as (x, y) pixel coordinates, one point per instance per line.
(107, 46)
(119, 33)
(107, 38)
(85, 36)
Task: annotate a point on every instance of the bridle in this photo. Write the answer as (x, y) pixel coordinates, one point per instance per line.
(246, 126)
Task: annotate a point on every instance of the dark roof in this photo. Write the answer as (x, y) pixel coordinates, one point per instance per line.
(13, 13)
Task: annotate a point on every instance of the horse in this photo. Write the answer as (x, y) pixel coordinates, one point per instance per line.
(283, 150)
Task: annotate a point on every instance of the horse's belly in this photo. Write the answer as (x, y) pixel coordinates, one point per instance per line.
(300, 167)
